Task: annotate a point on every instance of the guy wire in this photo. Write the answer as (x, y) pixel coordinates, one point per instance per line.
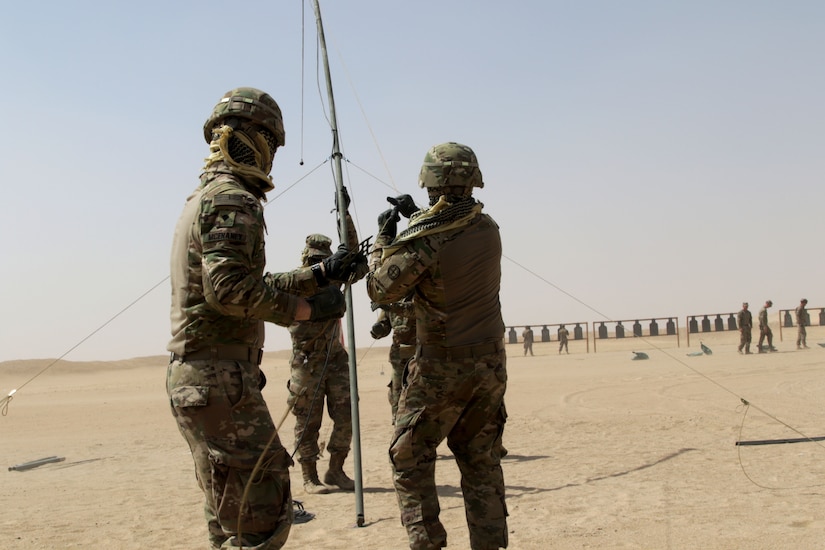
(739, 449)
(4, 403)
(721, 386)
(303, 94)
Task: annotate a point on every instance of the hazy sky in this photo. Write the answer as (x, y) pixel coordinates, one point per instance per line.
(643, 159)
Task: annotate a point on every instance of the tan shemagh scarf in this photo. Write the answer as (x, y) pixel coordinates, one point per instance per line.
(219, 151)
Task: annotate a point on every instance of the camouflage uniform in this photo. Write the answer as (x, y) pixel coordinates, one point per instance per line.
(801, 321)
(563, 337)
(745, 321)
(457, 379)
(220, 301)
(527, 336)
(399, 318)
(764, 329)
(320, 371)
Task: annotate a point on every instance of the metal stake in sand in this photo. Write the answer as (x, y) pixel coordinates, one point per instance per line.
(35, 463)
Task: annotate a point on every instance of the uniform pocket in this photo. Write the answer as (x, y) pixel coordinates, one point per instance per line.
(266, 504)
(405, 450)
(297, 394)
(189, 396)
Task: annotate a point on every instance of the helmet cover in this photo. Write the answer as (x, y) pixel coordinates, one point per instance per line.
(450, 164)
(248, 104)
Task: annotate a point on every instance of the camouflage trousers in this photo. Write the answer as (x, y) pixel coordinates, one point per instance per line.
(399, 357)
(765, 332)
(801, 336)
(311, 383)
(744, 338)
(224, 419)
(462, 400)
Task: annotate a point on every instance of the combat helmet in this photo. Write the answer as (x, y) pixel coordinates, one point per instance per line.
(450, 165)
(317, 248)
(247, 104)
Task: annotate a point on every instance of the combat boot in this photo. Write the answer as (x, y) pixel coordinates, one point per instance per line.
(747, 350)
(312, 485)
(335, 475)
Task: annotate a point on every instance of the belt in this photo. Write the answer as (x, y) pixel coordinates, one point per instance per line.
(232, 353)
(459, 352)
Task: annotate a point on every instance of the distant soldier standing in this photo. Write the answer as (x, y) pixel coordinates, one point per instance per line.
(801, 322)
(527, 336)
(450, 257)
(319, 372)
(221, 298)
(745, 321)
(764, 329)
(564, 334)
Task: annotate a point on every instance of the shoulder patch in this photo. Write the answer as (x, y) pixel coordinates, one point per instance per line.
(228, 199)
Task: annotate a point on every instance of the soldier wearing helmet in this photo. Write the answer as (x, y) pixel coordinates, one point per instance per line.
(221, 298)
(449, 259)
(764, 329)
(801, 322)
(319, 371)
(745, 321)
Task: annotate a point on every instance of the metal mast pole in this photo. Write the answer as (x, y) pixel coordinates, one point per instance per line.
(342, 232)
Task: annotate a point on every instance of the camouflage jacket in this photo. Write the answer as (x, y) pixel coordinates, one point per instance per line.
(319, 337)
(220, 294)
(763, 317)
(801, 316)
(454, 276)
(745, 319)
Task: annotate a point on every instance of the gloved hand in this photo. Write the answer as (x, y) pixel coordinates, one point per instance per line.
(380, 329)
(337, 266)
(346, 198)
(327, 304)
(388, 223)
(404, 204)
(374, 306)
(358, 268)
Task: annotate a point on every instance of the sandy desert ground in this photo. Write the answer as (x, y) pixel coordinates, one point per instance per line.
(605, 452)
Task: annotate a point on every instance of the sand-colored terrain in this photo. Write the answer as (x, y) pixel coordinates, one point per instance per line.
(605, 452)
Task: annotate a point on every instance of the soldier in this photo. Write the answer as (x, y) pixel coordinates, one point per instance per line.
(745, 321)
(801, 322)
(764, 329)
(450, 257)
(220, 301)
(564, 334)
(320, 370)
(398, 318)
(527, 336)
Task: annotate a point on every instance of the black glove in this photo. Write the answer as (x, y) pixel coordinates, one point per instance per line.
(374, 306)
(405, 205)
(327, 304)
(337, 266)
(388, 223)
(346, 198)
(358, 269)
(380, 329)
